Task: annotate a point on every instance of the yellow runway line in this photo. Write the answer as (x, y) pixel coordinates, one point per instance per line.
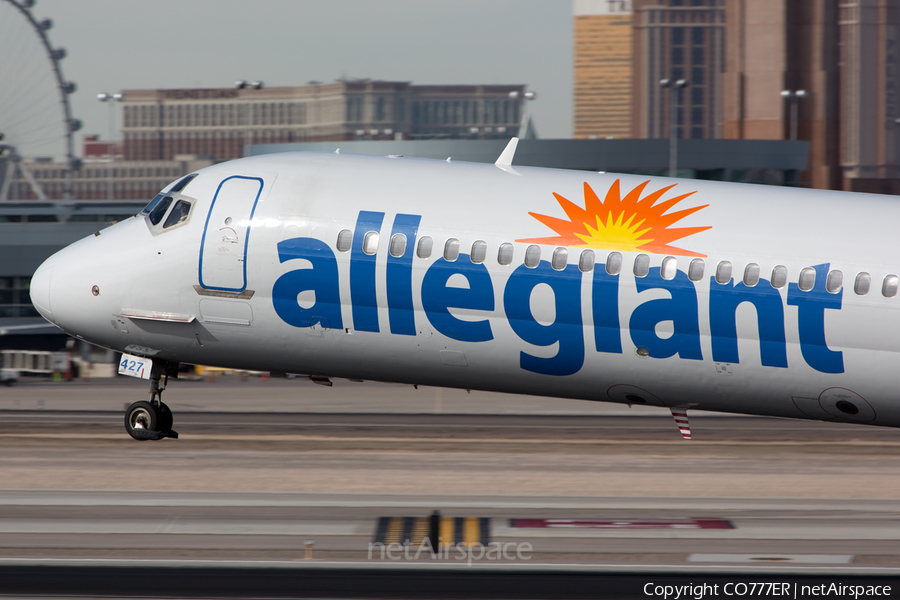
(394, 531)
(446, 533)
(471, 531)
(420, 530)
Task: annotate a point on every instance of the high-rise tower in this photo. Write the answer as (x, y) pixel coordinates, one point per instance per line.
(602, 68)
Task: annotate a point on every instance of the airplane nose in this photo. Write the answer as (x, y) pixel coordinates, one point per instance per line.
(40, 291)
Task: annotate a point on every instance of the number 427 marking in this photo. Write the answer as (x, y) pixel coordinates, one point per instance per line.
(134, 366)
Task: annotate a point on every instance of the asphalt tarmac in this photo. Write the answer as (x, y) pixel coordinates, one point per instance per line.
(288, 474)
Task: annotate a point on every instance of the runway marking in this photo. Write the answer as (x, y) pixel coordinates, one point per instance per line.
(822, 559)
(507, 441)
(621, 524)
(202, 418)
(429, 565)
(390, 501)
(452, 531)
(187, 420)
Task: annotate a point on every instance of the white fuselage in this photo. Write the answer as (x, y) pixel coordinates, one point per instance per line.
(259, 276)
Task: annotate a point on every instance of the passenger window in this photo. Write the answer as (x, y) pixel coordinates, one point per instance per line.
(669, 267)
(398, 244)
(889, 287)
(807, 279)
(751, 274)
(834, 281)
(370, 242)
(344, 240)
(863, 283)
(614, 263)
(779, 277)
(696, 268)
(160, 209)
(426, 244)
(505, 253)
(586, 261)
(479, 252)
(560, 259)
(451, 250)
(641, 265)
(532, 256)
(723, 272)
(178, 215)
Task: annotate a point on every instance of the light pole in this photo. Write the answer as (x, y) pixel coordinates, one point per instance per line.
(110, 99)
(525, 121)
(248, 85)
(794, 96)
(673, 85)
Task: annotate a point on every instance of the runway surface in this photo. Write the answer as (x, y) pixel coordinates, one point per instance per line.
(288, 474)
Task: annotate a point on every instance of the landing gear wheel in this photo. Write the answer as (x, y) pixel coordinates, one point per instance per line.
(152, 420)
(165, 418)
(141, 421)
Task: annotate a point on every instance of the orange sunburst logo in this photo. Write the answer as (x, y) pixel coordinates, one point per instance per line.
(631, 223)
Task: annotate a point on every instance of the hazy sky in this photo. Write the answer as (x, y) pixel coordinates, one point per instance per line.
(120, 44)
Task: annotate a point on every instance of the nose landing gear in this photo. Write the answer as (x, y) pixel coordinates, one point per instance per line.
(152, 420)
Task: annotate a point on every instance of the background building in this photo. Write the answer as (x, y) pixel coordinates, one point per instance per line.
(870, 95)
(678, 39)
(748, 161)
(103, 178)
(787, 45)
(170, 132)
(603, 66)
(843, 54)
(218, 123)
(744, 62)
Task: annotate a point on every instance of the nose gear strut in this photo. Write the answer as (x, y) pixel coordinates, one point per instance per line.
(152, 420)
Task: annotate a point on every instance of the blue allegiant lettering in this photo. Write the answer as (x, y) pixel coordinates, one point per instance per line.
(438, 297)
(811, 308)
(566, 329)
(605, 311)
(724, 300)
(362, 273)
(464, 285)
(681, 309)
(321, 279)
(399, 277)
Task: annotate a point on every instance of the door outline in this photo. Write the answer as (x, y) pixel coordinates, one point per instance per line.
(246, 236)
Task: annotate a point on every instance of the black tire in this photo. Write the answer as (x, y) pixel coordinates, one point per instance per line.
(165, 418)
(141, 415)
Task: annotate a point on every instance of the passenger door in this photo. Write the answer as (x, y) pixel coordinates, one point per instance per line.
(223, 249)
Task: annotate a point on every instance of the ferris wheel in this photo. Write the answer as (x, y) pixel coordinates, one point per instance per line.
(35, 114)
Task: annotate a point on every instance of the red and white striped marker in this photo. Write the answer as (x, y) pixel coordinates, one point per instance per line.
(681, 419)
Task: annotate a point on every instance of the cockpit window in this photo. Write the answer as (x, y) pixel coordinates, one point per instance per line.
(159, 210)
(178, 215)
(182, 183)
(152, 204)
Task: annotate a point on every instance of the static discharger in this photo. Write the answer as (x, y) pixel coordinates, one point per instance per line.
(681, 419)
